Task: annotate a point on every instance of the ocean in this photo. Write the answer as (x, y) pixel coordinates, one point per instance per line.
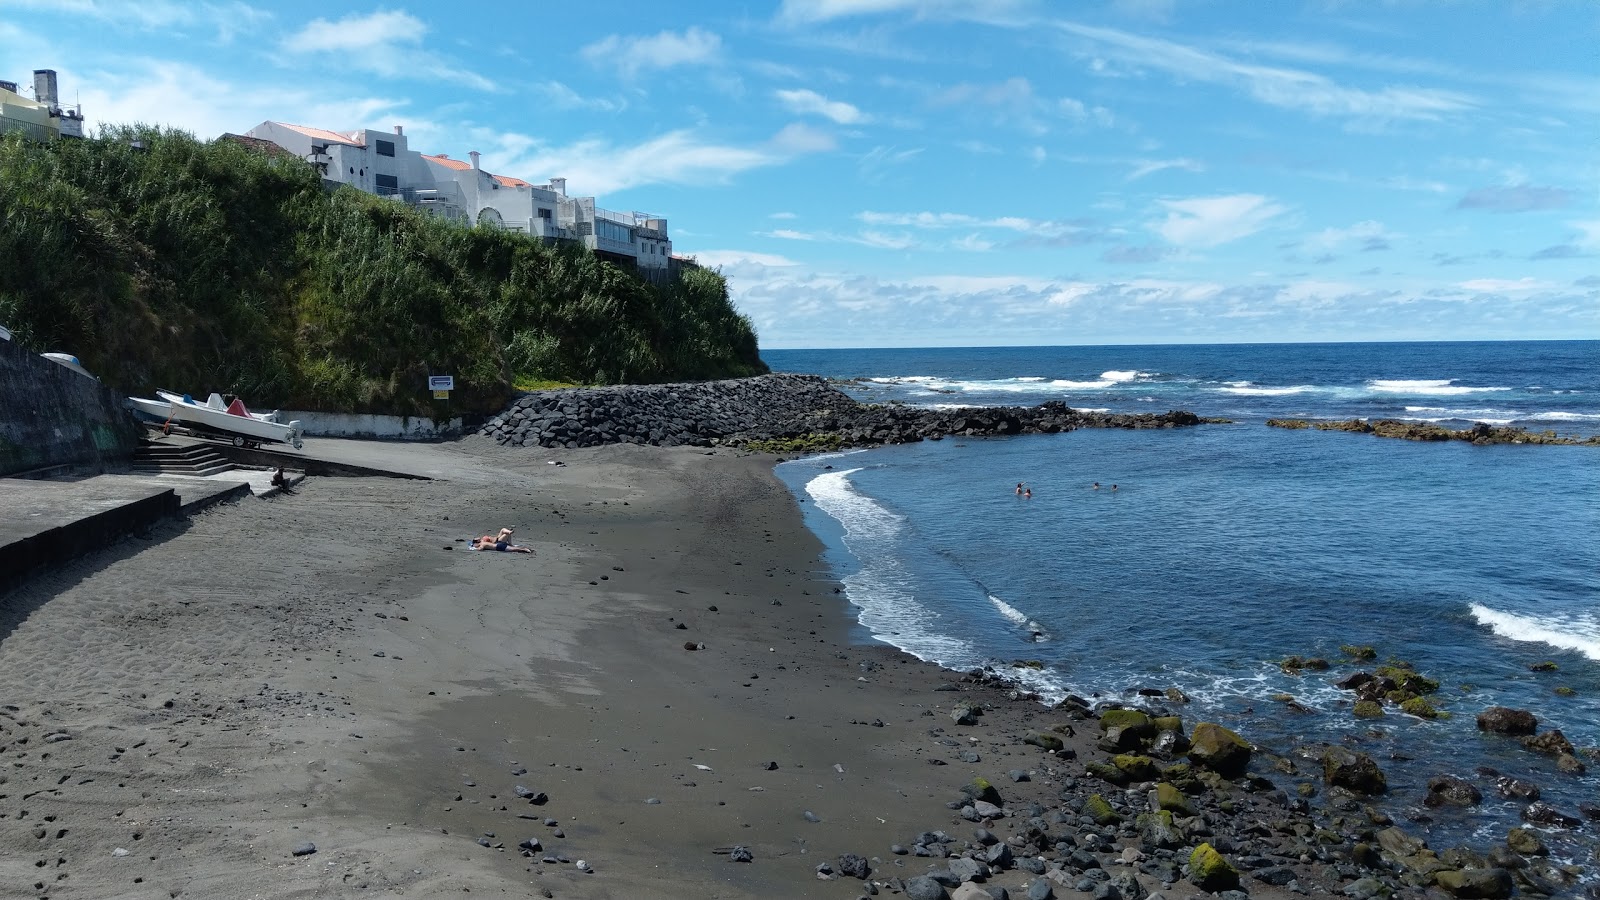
(1207, 555)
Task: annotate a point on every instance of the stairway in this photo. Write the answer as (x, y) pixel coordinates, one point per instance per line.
(163, 458)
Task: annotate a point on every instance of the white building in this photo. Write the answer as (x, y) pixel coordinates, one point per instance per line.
(43, 118)
(382, 163)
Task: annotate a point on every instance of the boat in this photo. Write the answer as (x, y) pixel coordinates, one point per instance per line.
(213, 418)
(68, 360)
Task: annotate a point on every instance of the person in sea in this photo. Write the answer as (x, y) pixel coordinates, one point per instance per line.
(1027, 493)
(1095, 486)
(500, 542)
(1019, 489)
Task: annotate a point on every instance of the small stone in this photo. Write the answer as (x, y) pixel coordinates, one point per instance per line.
(120, 852)
(741, 855)
(653, 801)
(305, 849)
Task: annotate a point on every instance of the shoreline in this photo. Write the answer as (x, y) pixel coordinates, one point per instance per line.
(326, 650)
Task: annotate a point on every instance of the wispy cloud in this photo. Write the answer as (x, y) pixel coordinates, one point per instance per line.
(228, 18)
(1287, 88)
(1515, 198)
(561, 96)
(1151, 166)
(1213, 221)
(598, 166)
(1504, 285)
(386, 43)
(809, 102)
(814, 11)
(665, 50)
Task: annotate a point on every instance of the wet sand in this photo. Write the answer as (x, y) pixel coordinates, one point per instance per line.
(182, 711)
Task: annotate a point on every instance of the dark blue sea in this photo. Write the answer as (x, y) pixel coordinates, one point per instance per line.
(1224, 549)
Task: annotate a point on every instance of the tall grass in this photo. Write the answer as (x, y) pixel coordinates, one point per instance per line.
(209, 266)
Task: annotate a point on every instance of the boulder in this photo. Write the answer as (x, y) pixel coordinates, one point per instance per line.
(1172, 800)
(1552, 742)
(1353, 771)
(1137, 768)
(1045, 741)
(1129, 720)
(924, 888)
(1526, 842)
(1504, 720)
(1219, 749)
(1368, 709)
(1516, 788)
(1450, 790)
(1098, 809)
(1210, 871)
(980, 789)
(1477, 883)
(1542, 813)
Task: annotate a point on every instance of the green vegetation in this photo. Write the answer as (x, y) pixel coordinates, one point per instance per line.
(162, 261)
(816, 442)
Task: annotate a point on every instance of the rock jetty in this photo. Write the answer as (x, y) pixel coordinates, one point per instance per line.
(776, 413)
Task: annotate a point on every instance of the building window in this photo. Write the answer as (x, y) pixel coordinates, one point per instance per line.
(386, 185)
(352, 170)
(544, 213)
(386, 148)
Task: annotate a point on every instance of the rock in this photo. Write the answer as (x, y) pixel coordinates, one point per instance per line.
(1422, 708)
(1481, 883)
(305, 849)
(1219, 749)
(1450, 790)
(987, 810)
(741, 855)
(1365, 888)
(1137, 768)
(1568, 764)
(1172, 800)
(1044, 740)
(1156, 830)
(537, 798)
(1397, 843)
(1541, 813)
(1098, 809)
(1018, 776)
(981, 789)
(532, 845)
(1210, 871)
(964, 870)
(1527, 843)
(1504, 720)
(1039, 889)
(1552, 742)
(999, 856)
(970, 891)
(1353, 771)
(924, 888)
(1368, 709)
(1516, 788)
(854, 866)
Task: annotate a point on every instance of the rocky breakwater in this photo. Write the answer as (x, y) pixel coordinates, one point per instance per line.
(776, 413)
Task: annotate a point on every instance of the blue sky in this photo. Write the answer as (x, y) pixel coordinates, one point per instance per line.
(987, 172)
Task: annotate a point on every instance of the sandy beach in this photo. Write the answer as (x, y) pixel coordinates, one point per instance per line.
(186, 710)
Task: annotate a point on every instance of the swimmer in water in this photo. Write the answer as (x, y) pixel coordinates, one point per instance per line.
(1096, 485)
(1027, 493)
(1019, 489)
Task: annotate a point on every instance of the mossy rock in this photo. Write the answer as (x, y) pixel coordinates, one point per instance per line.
(1210, 871)
(1358, 651)
(1098, 809)
(1127, 720)
(1546, 666)
(1107, 772)
(1292, 665)
(1182, 777)
(1565, 691)
(1044, 740)
(1407, 678)
(1168, 723)
(1291, 424)
(1219, 749)
(1137, 768)
(1422, 708)
(981, 789)
(1352, 770)
(1368, 709)
(1027, 664)
(1489, 883)
(1170, 799)
(1317, 664)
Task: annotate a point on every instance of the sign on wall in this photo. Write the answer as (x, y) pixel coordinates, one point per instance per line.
(441, 382)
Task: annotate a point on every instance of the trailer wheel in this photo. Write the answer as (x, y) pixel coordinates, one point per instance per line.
(238, 442)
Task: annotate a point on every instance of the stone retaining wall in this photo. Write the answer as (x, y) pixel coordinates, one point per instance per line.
(51, 415)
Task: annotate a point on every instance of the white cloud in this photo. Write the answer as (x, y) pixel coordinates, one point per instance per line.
(1368, 235)
(788, 234)
(668, 49)
(814, 11)
(783, 215)
(597, 166)
(384, 43)
(736, 258)
(1504, 285)
(886, 241)
(1590, 233)
(228, 18)
(1213, 221)
(1292, 89)
(560, 96)
(1145, 167)
(807, 102)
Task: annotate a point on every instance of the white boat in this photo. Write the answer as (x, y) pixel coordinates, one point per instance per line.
(68, 360)
(219, 419)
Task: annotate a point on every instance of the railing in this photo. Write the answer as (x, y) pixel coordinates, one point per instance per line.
(33, 131)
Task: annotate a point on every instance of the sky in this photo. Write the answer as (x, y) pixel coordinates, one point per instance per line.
(881, 173)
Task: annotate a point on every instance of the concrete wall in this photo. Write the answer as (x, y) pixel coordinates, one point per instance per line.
(53, 416)
(360, 425)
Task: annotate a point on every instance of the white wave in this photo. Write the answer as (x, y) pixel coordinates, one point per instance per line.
(1435, 387)
(883, 589)
(1484, 419)
(1123, 375)
(1020, 619)
(1577, 633)
(1251, 389)
(1462, 413)
(1562, 417)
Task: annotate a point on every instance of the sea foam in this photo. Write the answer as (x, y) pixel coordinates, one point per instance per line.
(1577, 633)
(1435, 387)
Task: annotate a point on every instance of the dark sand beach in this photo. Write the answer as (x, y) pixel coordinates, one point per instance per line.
(185, 710)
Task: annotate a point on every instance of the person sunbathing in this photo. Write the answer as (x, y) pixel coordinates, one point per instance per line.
(500, 541)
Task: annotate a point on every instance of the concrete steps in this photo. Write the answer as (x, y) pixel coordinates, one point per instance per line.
(155, 458)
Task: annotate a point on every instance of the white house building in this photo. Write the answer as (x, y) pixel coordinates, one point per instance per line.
(382, 163)
(43, 118)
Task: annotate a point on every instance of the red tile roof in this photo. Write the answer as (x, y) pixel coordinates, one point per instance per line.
(508, 181)
(322, 134)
